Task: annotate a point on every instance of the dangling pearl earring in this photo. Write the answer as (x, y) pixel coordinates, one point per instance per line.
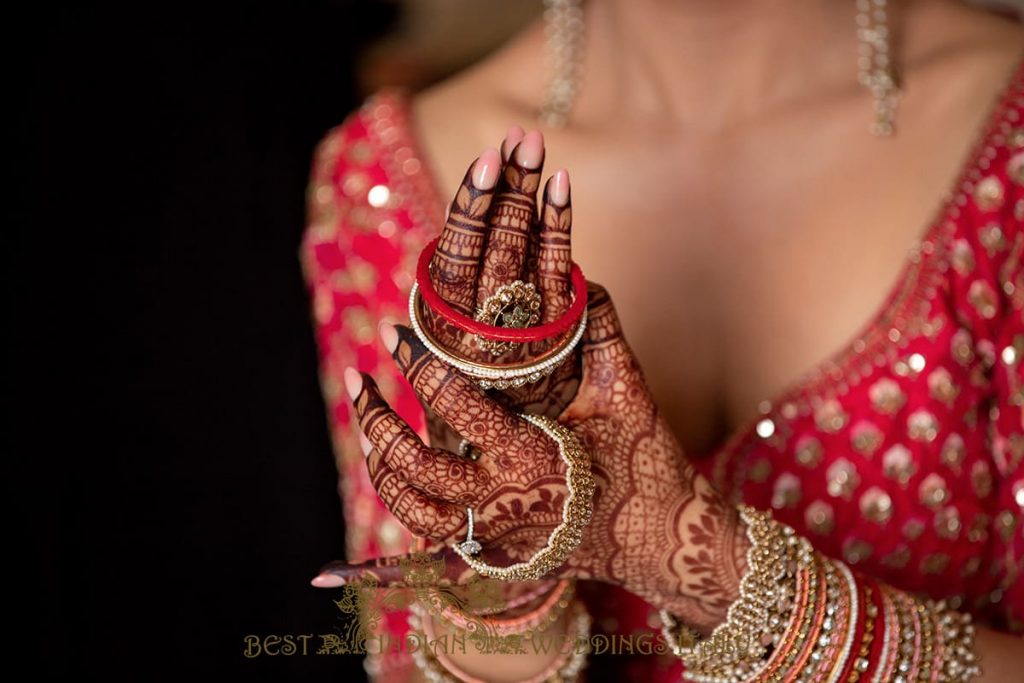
(875, 70)
(563, 24)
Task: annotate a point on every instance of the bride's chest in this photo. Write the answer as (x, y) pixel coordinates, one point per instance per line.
(728, 299)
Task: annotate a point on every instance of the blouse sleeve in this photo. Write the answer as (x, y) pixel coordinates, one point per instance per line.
(996, 313)
(356, 268)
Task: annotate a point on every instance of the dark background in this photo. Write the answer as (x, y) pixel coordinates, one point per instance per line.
(167, 431)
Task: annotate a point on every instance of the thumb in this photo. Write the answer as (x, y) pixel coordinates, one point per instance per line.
(421, 569)
(603, 327)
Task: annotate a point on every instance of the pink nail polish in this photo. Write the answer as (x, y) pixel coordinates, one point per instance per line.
(327, 581)
(485, 171)
(365, 444)
(559, 190)
(353, 382)
(513, 137)
(388, 335)
(531, 150)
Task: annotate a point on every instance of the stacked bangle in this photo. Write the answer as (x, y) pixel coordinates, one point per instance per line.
(495, 375)
(550, 330)
(839, 628)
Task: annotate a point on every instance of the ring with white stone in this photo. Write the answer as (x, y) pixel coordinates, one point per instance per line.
(496, 376)
(470, 546)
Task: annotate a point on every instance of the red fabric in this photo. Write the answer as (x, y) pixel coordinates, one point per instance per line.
(901, 454)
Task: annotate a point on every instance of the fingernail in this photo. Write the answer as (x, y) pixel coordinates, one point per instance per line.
(531, 151)
(328, 581)
(388, 335)
(559, 189)
(353, 382)
(365, 444)
(513, 137)
(485, 171)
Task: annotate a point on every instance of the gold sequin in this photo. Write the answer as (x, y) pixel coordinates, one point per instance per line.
(876, 505)
(962, 257)
(1016, 138)
(991, 237)
(886, 396)
(820, 518)
(898, 464)
(941, 386)
(978, 531)
(856, 550)
(962, 348)
(1005, 524)
(809, 451)
(933, 491)
(842, 479)
(830, 416)
(971, 567)
(760, 471)
(935, 563)
(786, 492)
(922, 425)
(898, 558)
(953, 452)
(1015, 168)
(986, 351)
(360, 152)
(865, 437)
(912, 529)
(983, 298)
(981, 479)
(354, 183)
(947, 523)
(989, 193)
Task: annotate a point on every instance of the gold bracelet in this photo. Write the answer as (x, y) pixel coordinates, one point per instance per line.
(576, 511)
(737, 648)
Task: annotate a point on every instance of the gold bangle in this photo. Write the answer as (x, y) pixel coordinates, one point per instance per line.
(576, 511)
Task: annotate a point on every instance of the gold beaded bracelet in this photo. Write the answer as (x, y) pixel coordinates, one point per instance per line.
(576, 511)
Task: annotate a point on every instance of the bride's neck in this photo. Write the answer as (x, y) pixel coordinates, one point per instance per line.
(738, 58)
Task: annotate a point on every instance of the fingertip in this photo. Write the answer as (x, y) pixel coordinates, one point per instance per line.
(353, 382)
(558, 189)
(327, 581)
(513, 136)
(530, 152)
(388, 335)
(486, 169)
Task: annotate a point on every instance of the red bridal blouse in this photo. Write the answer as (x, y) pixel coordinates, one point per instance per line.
(901, 454)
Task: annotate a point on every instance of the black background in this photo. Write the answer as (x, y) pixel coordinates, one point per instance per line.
(168, 434)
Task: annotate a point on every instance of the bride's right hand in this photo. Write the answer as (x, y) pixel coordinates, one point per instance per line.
(495, 233)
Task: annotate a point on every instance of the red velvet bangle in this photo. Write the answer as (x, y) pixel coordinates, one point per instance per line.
(549, 330)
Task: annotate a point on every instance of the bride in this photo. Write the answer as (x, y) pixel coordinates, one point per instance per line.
(809, 215)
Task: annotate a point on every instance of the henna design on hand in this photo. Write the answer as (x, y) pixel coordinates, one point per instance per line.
(456, 263)
(658, 527)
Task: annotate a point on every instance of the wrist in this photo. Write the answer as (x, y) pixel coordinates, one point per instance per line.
(705, 560)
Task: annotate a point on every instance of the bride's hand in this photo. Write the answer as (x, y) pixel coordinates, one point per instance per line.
(495, 233)
(657, 528)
